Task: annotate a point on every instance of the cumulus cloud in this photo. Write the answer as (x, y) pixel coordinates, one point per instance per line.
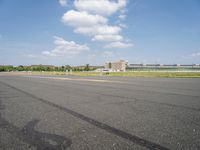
(123, 25)
(98, 30)
(76, 18)
(102, 7)
(63, 2)
(65, 48)
(119, 45)
(107, 38)
(122, 17)
(91, 18)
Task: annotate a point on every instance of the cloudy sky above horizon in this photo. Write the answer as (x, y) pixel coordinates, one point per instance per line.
(77, 32)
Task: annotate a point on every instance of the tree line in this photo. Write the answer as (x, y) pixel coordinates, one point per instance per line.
(9, 68)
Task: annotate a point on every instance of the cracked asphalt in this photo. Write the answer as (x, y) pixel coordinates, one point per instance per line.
(99, 113)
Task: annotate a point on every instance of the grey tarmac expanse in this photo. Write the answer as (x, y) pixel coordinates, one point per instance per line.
(99, 113)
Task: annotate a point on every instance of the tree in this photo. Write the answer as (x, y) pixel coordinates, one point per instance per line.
(2, 68)
(20, 68)
(68, 67)
(87, 68)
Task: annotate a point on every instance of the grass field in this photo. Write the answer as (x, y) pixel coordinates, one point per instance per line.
(165, 74)
(143, 74)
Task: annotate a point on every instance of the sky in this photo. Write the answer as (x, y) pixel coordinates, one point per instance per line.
(79, 32)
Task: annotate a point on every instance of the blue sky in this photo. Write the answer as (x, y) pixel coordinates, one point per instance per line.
(77, 32)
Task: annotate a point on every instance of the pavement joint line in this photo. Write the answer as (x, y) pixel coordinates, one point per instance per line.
(110, 129)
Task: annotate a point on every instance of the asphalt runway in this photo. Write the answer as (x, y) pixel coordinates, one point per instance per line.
(99, 113)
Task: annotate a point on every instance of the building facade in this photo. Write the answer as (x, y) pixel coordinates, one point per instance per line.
(163, 66)
(116, 66)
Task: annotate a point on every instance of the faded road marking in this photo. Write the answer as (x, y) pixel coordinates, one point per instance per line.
(71, 79)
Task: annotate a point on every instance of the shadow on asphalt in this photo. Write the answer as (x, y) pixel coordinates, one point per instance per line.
(39, 140)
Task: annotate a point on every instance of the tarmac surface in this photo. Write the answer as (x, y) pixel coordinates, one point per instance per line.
(99, 113)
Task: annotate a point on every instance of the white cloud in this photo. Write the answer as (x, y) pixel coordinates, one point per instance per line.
(102, 7)
(107, 38)
(98, 30)
(119, 45)
(76, 18)
(122, 17)
(123, 25)
(90, 18)
(63, 2)
(197, 54)
(65, 48)
(31, 56)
